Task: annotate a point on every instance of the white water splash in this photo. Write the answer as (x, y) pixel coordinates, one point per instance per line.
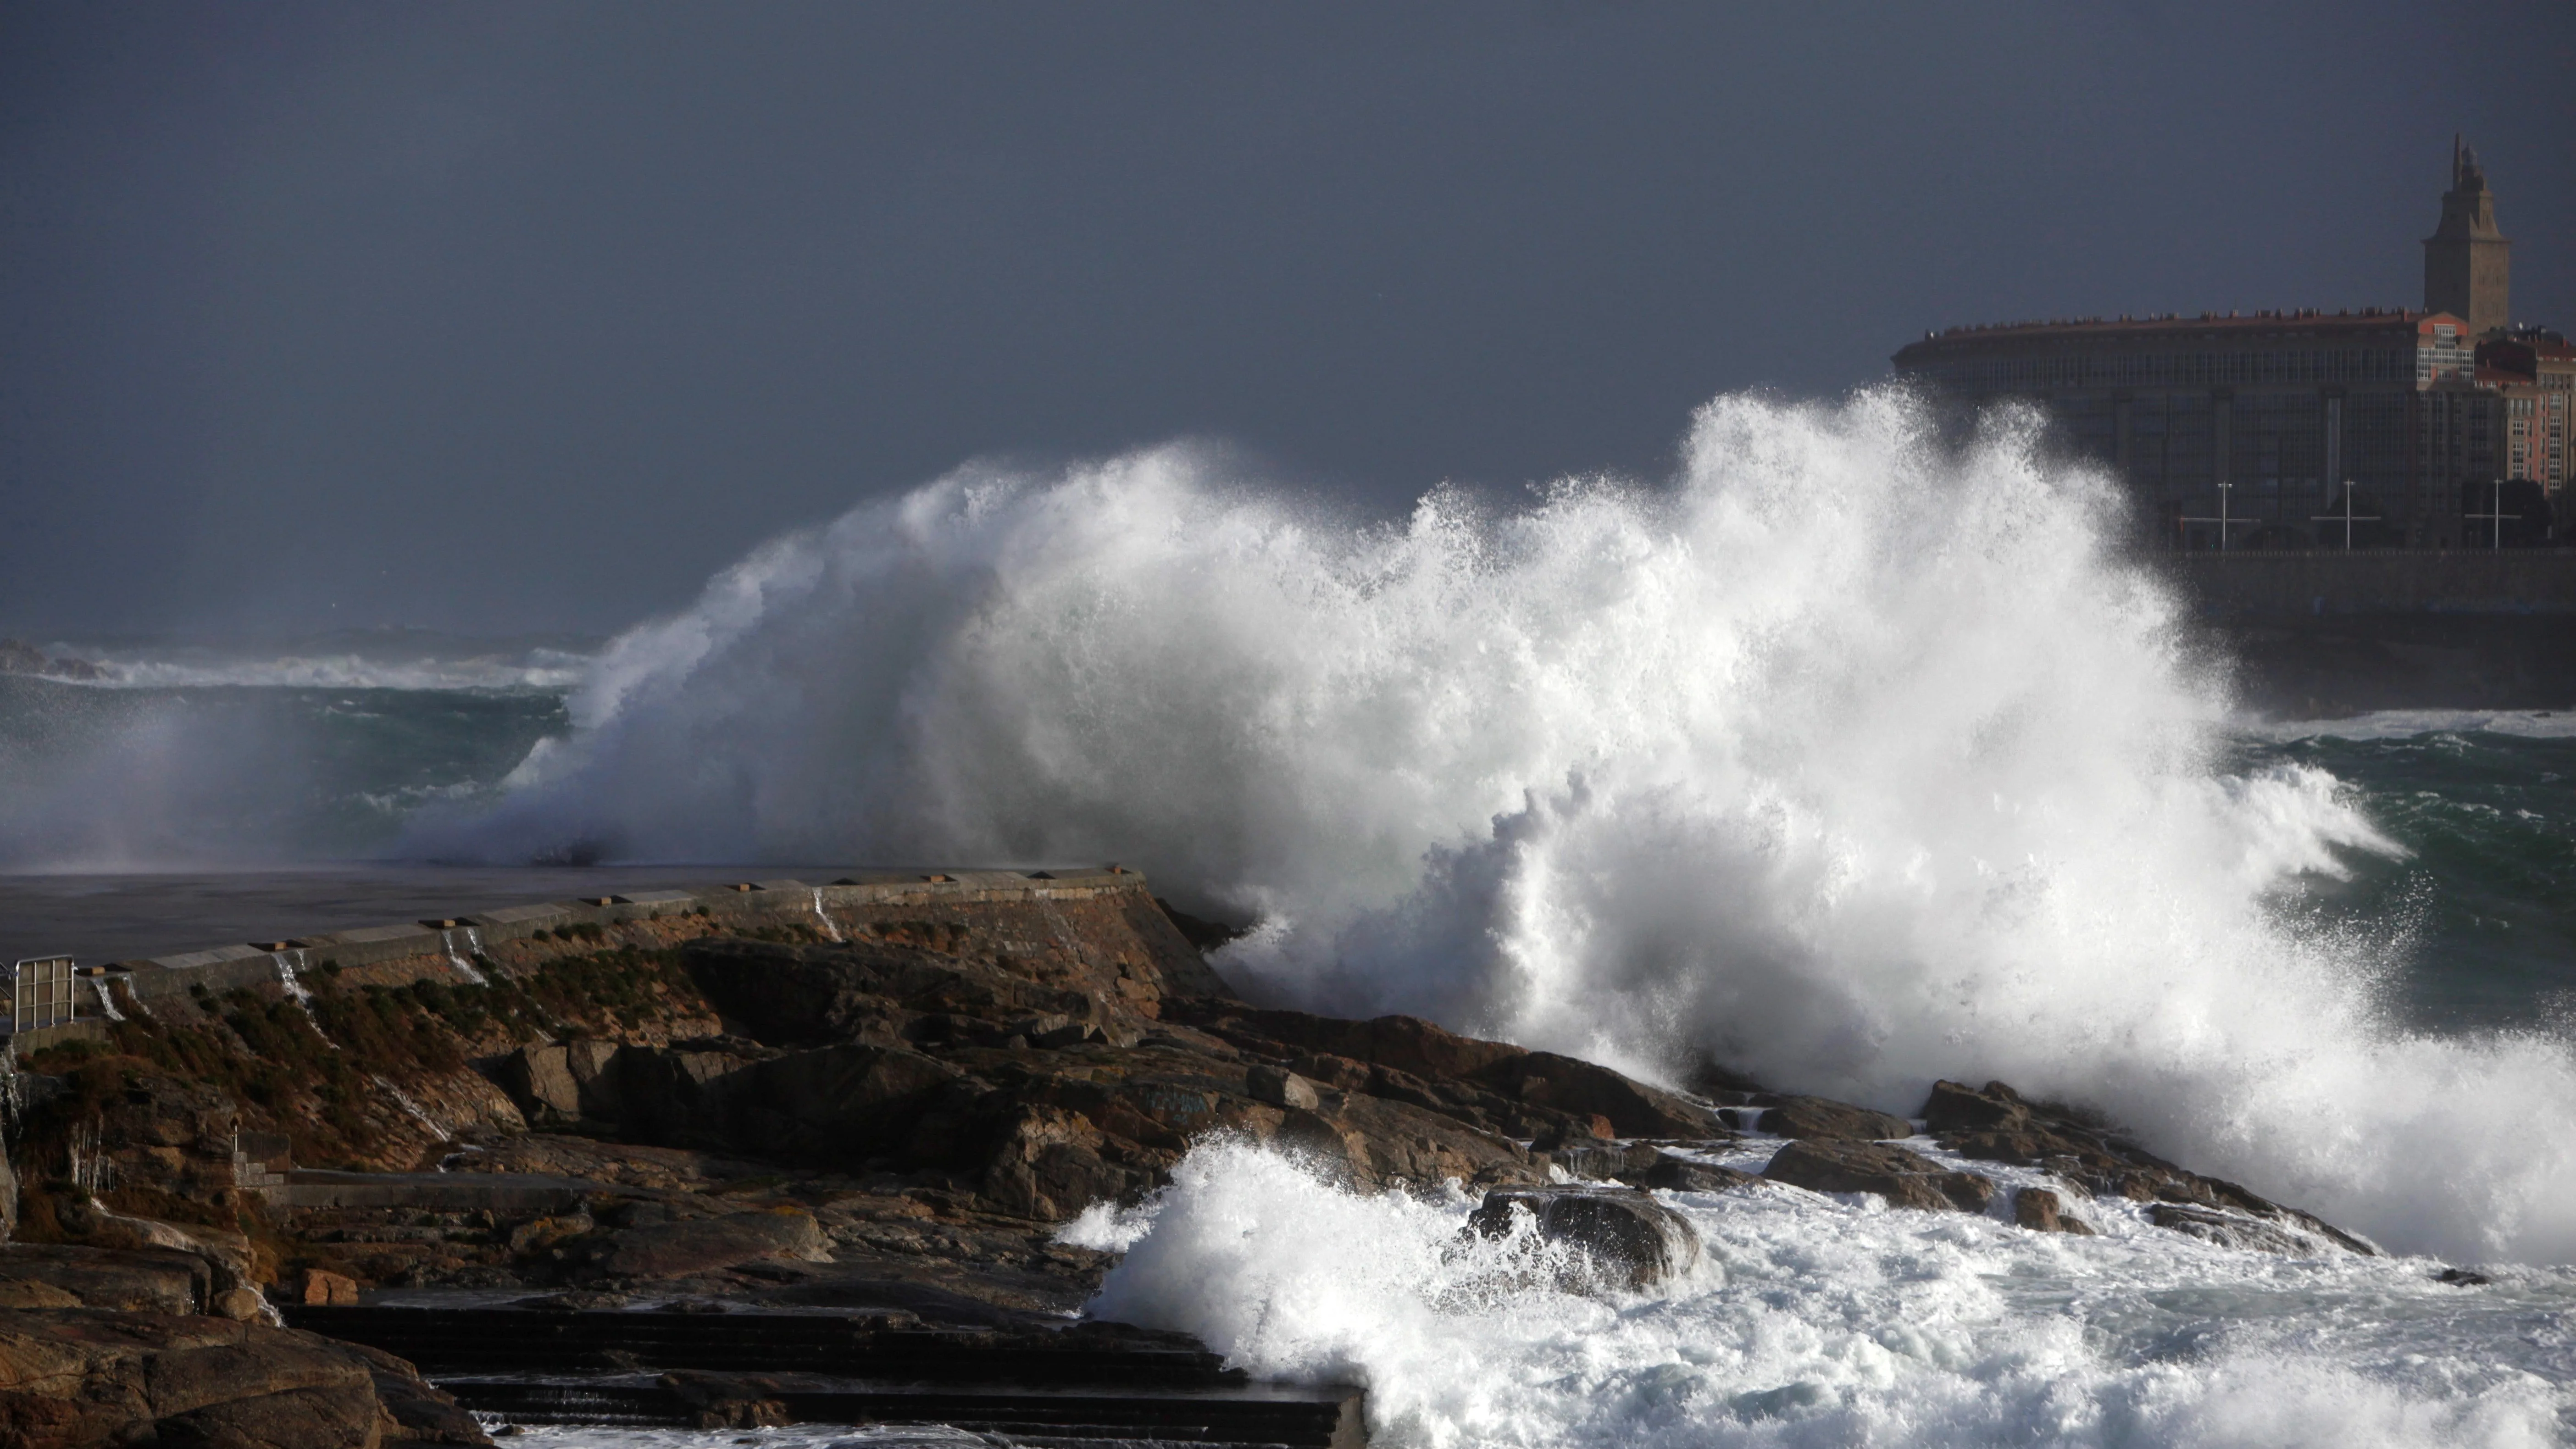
(1847, 759)
(820, 914)
(414, 1110)
(463, 963)
(289, 962)
(107, 1002)
(1820, 1320)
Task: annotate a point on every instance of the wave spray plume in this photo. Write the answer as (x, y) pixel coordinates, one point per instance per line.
(1843, 758)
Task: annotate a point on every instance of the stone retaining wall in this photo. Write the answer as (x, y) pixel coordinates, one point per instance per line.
(395, 954)
(2379, 581)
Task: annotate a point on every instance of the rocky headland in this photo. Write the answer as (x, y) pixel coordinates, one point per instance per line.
(805, 1157)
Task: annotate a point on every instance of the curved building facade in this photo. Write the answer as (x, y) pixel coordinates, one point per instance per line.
(2383, 427)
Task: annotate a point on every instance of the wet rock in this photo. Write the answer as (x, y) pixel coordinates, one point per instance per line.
(1493, 1085)
(1680, 1174)
(2038, 1209)
(1603, 1161)
(2462, 1278)
(1282, 1088)
(1957, 1107)
(2228, 1231)
(580, 1300)
(1905, 1179)
(1997, 1124)
(1630, 1240)
(226, 1254)
(1566, 1084)
(1821, 1117)
(242, 1305)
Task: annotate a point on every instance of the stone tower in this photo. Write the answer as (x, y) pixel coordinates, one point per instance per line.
(2467, 262)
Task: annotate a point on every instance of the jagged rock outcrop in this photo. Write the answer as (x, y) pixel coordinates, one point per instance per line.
(1997, 1124)
(899, 1119)
(1905, 1179)
(71, 1378)
(1820, 1117)
(71, 1275)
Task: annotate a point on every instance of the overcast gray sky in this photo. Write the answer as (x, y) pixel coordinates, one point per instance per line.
(498, 317)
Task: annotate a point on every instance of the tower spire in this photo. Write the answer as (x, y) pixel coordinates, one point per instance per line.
(2467, 261)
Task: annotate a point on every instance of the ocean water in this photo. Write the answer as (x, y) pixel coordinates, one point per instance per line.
(1843, 758)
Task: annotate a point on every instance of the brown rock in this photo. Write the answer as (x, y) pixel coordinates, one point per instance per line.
(65, 1275)
(1680, 1174)
(421, 1414)
(1635, 1109)
(1585, 1131)
(1282, 1088)
(1410, 1145)
(242, 1305)
(676, 1250)
(323, 1288)
(1603, 1161)
(1046, 1164)
(74, 1378)
(540, 1083)
(1341, 1073)
(1904, 1178)
(1820, 1117)
(540, 1234)
(2037, 1209)
(1956, 1107)
(339, 1417)
(1406, 1043)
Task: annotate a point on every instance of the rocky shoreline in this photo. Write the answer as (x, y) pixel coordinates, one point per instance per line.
(255, 1208)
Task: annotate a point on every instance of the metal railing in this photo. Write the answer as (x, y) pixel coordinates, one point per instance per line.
(43, 992)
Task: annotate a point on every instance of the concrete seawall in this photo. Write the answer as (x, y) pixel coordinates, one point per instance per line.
(2379, 581)
(2325, 633)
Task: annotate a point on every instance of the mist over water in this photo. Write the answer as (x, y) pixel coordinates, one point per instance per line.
(1843, 759)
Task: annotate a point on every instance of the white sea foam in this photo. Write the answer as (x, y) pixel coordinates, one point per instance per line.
(1818, 1320)
(1849, 760)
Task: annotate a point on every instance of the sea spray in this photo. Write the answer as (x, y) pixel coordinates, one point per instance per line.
(1828, 1321)
(1844, 757)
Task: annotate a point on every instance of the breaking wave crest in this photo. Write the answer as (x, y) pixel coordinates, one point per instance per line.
(1843, 757)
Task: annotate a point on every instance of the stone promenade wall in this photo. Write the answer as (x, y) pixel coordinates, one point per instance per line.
(2380, 581)
(452, 946)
